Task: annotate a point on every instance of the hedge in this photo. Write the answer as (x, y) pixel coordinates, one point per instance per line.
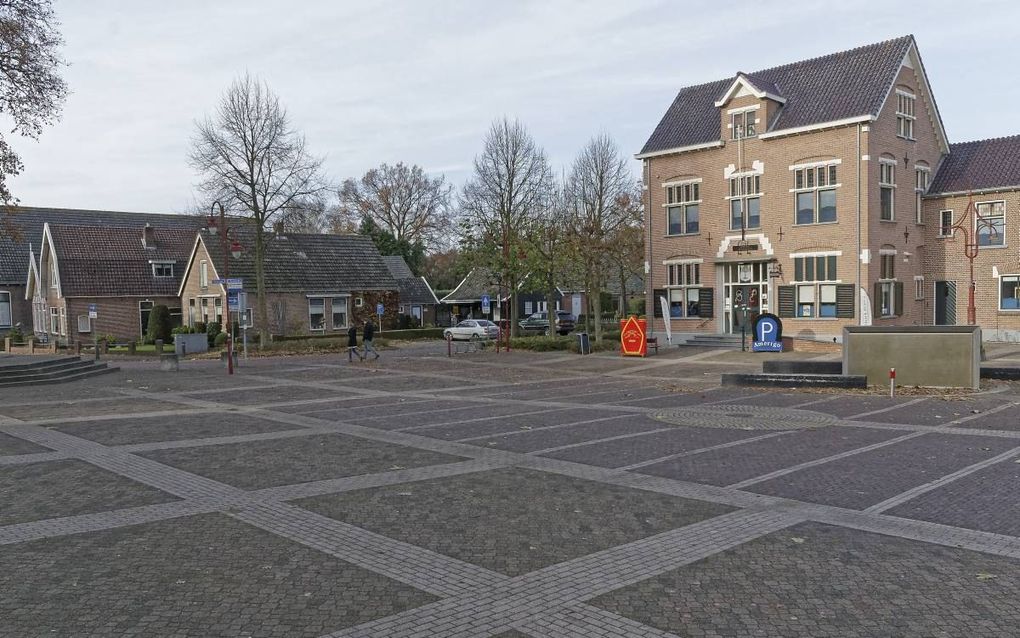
(393, 335)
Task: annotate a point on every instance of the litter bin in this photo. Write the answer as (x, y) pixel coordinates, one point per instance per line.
(583, 344)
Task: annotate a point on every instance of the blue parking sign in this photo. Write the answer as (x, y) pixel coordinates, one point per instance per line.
(379, 309)
(768, 334)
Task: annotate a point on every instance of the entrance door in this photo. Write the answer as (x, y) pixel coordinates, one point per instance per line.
(945, 303)
(144, 308)
(575, 306)
(745, 307)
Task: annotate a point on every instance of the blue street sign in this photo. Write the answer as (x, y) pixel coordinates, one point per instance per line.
(486, 304)
(379, 309)
(231, 283)
(768, 334)
(93, 311)
(93, 307)
(233, 300)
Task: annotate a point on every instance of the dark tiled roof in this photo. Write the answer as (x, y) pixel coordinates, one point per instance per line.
(28, 221)
(308, 263)
(398, 267)
(413, 290)
(477, 283)
(833, 87)
(979, 165)
(111, 261)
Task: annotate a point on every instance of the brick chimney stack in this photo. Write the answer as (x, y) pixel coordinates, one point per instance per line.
(148, 236)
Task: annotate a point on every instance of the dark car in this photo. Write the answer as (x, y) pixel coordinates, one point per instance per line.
(538, 323)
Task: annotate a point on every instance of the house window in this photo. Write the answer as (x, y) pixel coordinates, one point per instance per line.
(203, 274)
(5, 310)
(359, 302)
(945, 223)
(921, 178)
(683, 214)
(887, 186)
(888, 293)
(63, 321)
(317, 314)
(745, 201)
(919, 287)
(1009, 292)
(815, 194)
(191, 312)
(905, 115)
(814, 297)
(54, 320)
(84, 323)
(53, 275)
(887, 264)
(991, 224)
(205, 310)
(162, 269)
(743, 124)
(683, 281)
(339, 309)
(218, 309)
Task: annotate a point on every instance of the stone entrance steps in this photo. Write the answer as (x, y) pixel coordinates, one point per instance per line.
(731, 342)
(23, 371)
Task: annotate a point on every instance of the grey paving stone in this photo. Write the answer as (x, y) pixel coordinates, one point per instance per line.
(14, 445)
(642, 448)
(735, 464)
(67, 488)
(986, 501)
(512, 520)
(870, 477)
(58, 409)
(529, 441)
(777, 400)
(820, 581)
(341, 403)
(852, 404)
(203, 576)
(1008, 419)
(468, 412)
(512, 423)
(939, 411)
(261, 464)
(270, 395)
(176, 428)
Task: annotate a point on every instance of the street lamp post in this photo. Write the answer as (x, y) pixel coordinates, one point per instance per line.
(230, 249)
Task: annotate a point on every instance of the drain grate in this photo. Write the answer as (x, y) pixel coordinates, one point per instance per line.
(743, 417)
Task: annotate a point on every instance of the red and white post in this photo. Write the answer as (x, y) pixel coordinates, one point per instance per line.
(892, 382)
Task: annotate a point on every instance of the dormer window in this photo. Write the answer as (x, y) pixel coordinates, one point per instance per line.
(162, 269)
(743, 125)
(905, 114)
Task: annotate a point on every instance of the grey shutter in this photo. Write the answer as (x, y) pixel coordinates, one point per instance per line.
(706, 299)
(787, 301)
(898, 294)
(876, 300)
(656, 304)
(845, 301)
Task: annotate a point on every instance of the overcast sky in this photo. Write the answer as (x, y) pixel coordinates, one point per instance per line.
(420, 81)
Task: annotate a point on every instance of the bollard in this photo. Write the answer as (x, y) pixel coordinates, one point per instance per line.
(892, 382)
(449, 345)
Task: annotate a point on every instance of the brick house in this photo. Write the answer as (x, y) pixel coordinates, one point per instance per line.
(123, 271)
(416, 298)
(315, 284)
(805, 190)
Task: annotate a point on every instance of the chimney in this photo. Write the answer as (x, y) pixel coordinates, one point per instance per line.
(148, 236)
(277, 228)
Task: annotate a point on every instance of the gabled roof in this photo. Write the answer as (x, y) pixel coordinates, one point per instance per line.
(830, 88)
(398, 267)
(28, 221)
(308, 263)
(478, 282)
(412, 290)
(979, 165)
(103, 261)
(753, 82)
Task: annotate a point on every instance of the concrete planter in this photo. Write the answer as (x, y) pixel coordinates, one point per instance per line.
(185, 344)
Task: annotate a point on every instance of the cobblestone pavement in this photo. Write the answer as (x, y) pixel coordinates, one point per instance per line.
(512, 495)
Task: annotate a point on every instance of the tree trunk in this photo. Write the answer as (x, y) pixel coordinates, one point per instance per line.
(596, 290)
(550, 302)
(623, 293)
(260, 287)
(511, 315)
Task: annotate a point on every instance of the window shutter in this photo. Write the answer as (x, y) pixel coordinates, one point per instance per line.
(787, 303)
(876, 299)
(656, 304)
(706, 298)
(845, 301)
(898, 293)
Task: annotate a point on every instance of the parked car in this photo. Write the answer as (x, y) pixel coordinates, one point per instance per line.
(538, 323)
(472, 329)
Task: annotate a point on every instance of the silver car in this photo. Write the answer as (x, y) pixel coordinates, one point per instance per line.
(473, 329)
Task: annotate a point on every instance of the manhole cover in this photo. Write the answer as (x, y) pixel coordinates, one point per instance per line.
(740, 417)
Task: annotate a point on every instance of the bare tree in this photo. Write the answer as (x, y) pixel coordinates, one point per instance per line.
(511, 187)
(252, 160)
(402, 200)
(598, 186)
(308, 215)
(32, 92)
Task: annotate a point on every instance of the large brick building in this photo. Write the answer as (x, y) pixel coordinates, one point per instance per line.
(814, 191)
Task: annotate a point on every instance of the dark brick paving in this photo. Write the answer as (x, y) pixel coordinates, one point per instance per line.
(853, 405)
(735, 464)
(1008, 419)
(870, 477)
(57, 409)
(512, 423)
(67, 488)
(777, 400)
(269, 463)
(643, 448)
(184, 426)
(937, 411)
(555, 437)
(514, 520)
(816, 581)
(422, 415)
(269, 395)
(204, 576)
(11, 445)
(986, 500)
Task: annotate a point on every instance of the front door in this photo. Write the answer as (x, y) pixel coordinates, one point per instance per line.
(745, 307)
(144, 308)
(575, 306)
(945, 303)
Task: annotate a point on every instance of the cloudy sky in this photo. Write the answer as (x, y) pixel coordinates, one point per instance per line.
(420, 81)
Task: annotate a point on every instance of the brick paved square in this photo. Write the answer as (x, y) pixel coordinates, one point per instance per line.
(986, 500)
(864, 479)
(852, 404)
(13, 445)
(426, 414)
(263, 396)
(67, 488)
(778, 400)
(512, 520)
(407, 382)
(204, 576)
(312, 406)
(513, 423)
(938, 411)
(529, 441)
(734, 464)
(817, 581)
(644, 448)
(1008, 419)
(51, 409)
(259, 464)
(169, 428)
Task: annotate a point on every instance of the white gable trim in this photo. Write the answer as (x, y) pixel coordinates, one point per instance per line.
(912, 60)
(815, 127)
(742, 83)
(33, 272)
(679, 149)
(191, 261)
(724, 245)
(48, 245)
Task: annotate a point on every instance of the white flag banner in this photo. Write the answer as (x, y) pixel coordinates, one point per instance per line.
(665, 320)
(865, 308)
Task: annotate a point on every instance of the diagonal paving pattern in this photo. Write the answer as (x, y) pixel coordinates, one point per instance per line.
(473, 600)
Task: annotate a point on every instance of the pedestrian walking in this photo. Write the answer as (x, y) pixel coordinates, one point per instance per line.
(369, 335)
(352, 344)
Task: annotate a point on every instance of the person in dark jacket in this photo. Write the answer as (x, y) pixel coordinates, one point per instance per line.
(352, 344)
(369, 335)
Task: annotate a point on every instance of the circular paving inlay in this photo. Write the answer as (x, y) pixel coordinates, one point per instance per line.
(744, 417)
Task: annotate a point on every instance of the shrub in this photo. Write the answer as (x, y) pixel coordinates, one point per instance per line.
(211, 330)
(182, 330)
(404, 322)
(16, 335)
(220, 339)
(160, 324)
(542, 343)
(199, 327)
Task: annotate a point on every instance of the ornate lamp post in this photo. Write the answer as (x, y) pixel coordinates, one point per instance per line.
(971, 245)
(231, 248)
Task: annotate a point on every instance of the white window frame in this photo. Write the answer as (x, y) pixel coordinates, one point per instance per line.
(346, 312)
(682, 195)
(1002, 215)
(887, 179)
(54, 280)
(54, 327)
(63, 321)
(157, 265)
(922, 179)
(10, 309)
(809, 178)
(999, 287)
(203, 274)
(887, 284)
(943, 227)
(741, 120)
(906, 106)
(918, 287)
(359, 302)
(84, 324)
(682, 277)
(311, 326)
(815, 285)
(743, 187)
